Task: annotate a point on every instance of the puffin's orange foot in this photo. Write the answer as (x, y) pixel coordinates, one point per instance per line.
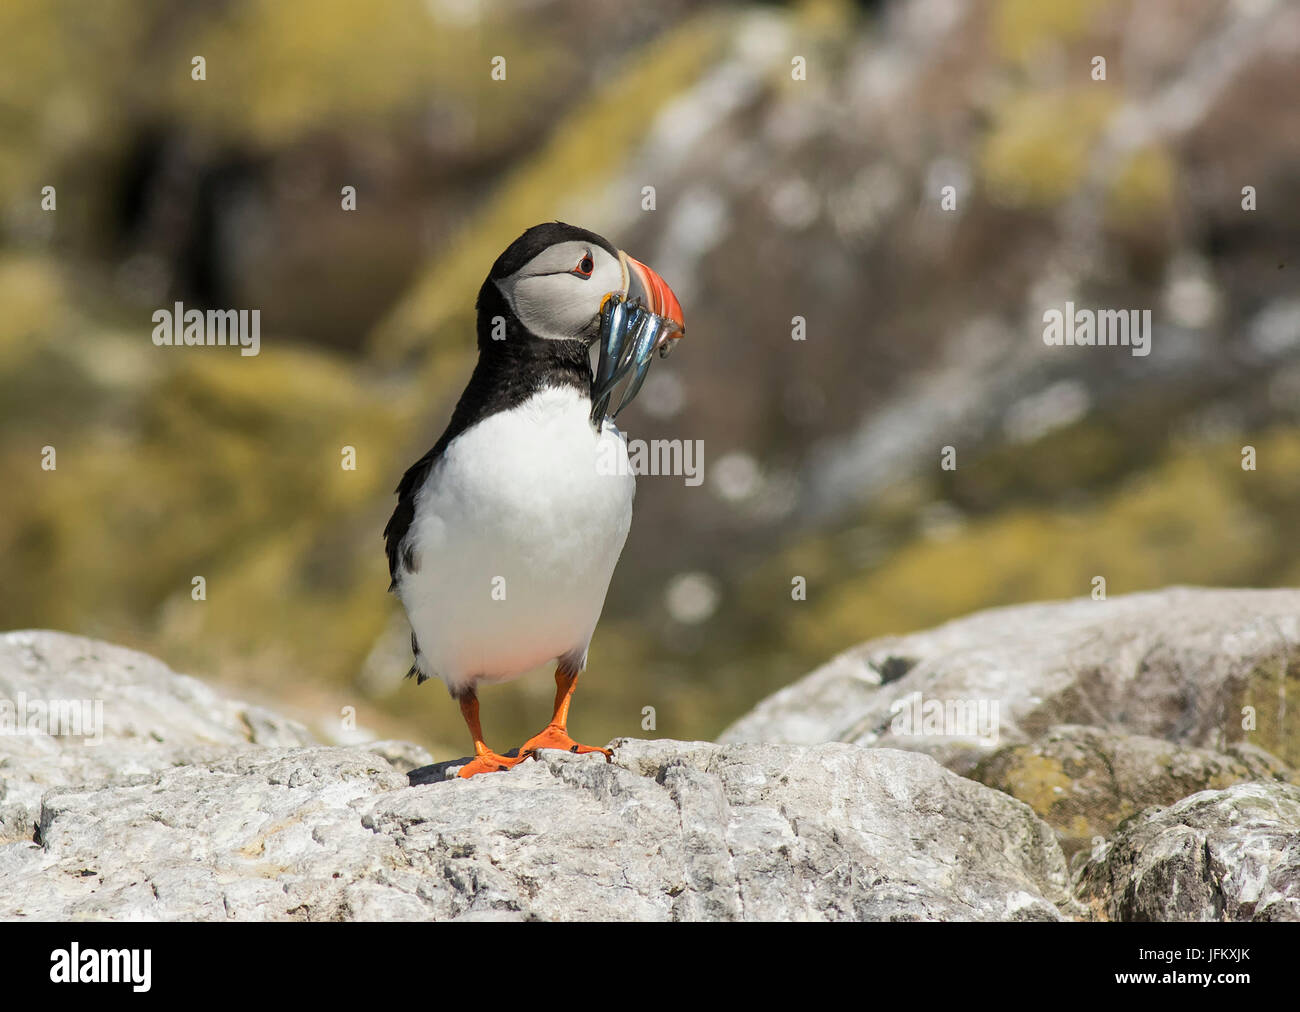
(490, 762)
(557, 737)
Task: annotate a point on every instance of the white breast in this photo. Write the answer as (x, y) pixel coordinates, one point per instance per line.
(516, 534)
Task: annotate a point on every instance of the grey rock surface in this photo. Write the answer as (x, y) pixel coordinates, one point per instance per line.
(182, 811)
(178, 803)
(1180, 664)
(1103, 712)
(1229, 855)
(403, 756)
(144, 717)
(668, 831)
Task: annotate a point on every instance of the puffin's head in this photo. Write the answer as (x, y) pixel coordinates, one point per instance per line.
(554, 279)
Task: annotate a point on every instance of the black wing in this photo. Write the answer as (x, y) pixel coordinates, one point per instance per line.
(398, 524)
(484, 395)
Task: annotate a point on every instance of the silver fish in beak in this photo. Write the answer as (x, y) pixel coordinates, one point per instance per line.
(643, 318)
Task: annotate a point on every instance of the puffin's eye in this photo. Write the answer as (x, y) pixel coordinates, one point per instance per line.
(585, 266)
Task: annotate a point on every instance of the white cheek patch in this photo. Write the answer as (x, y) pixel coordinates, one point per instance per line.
(556, 306)
(564, 306)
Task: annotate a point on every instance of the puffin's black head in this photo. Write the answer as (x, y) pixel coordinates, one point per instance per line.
(551, 282)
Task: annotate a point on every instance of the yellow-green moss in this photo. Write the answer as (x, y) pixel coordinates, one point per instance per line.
(33, 296)
(1037, 780)
(1273, 691)
(1022, 27)
(1143, 187)
(1195, 518)
(1037, 152)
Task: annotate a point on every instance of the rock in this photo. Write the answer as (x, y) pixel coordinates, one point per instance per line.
(403, 756)
(667, 831)
(142, 717)
(697, 831)
(177, 803)
(259, 834)
(183, 812)
(1229, 855)
(1084, 781)
(1186, 665)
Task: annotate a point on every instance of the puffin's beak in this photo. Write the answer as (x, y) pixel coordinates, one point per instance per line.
(643, 317)
(654, 293)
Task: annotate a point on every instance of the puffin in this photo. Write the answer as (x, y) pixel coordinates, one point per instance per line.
(506, 533)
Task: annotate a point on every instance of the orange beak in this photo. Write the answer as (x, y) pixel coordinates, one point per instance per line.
(655, 295)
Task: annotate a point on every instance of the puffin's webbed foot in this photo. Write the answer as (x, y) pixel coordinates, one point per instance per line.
(557, 737)
(485, 760)
(488, 761)
(555, 734)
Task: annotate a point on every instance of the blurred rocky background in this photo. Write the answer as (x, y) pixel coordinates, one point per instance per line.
(775, 197)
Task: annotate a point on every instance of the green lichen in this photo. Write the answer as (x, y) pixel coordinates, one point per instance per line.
(1272, 692)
